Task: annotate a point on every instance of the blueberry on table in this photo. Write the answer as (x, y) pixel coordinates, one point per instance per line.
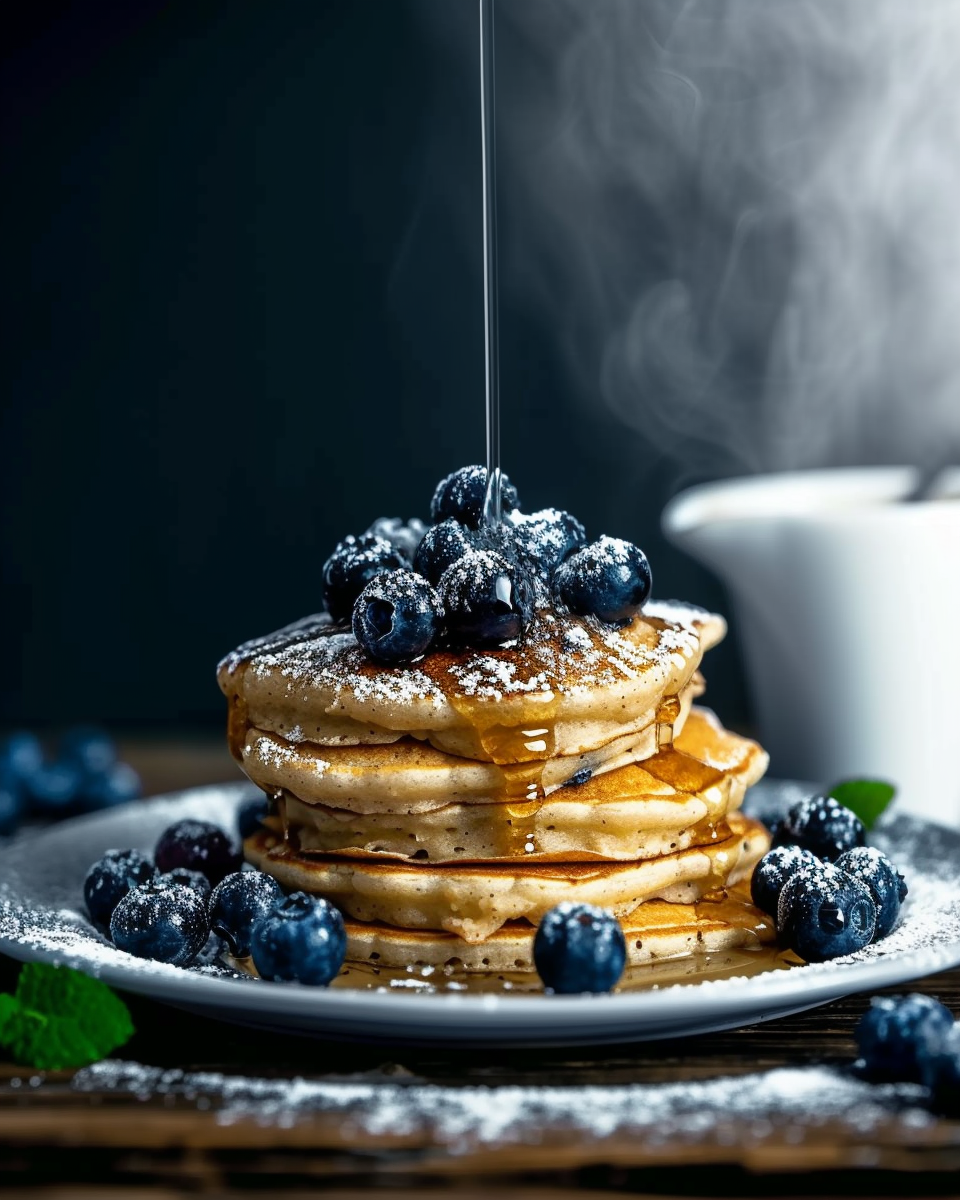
(821, 825)
(251, 815)
(441, 547)
(237, 903)
(118, 784)
(21, 756)
(397, 617)
(162, 921)
(198, 846)
(772, 872)
(882, 880)
(546, 538)
(351, 566)
(405, 537)
(609, 579)
(897, 1035)
(181, 877)
(579, 948)
(89, 749)
(824, 913)
(11, 807)
(487, 600)
(111, 878)
(941, 1072)
(461, 495)
(301, 940)
(54, 787)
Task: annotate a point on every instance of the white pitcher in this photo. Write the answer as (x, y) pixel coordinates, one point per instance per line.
(848, 601)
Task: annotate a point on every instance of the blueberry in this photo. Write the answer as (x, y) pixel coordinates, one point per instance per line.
(198, 846)
(54, 787)
(824, 913)
(89, 749)
(301, 939)
(250, 816)
(579, 948)
(163, 921)
(118, 784)
(882, 880)
(21, 756)
(941, 1072)
(609, 579)
(351, 566)
(237, 903)
(896, 1034)
(181, 877)
(487, 600)
(109, 880)
(405, 538)
(397, 617)
(461, 496)
(821, 825)
(442, 546)
(11, 807)
(547, 538)
(772, 872)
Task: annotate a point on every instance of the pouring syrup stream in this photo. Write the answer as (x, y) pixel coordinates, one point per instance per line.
(491, 504)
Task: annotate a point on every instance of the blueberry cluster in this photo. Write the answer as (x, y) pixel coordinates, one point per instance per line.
(408, 589)
(84, 776)
(913, 1039)
(166, 907)
(828, 892)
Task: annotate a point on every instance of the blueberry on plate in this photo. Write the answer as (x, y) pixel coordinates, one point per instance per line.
(461, 495)
(302, 940)
(772, 872)
(405, 537)
(897, 1034)
(109, 880)
(579, 948)
(351, 566)
(237, 903)
(441, 547)
(163, 921)
(251, 815)
(609, 579)
(118, 784)
(821, 825)
(487, 600)
(397, 618)
(181, 877)
(824, 913)
(547, 538)
(198, 846)
(89, 749)
(54, 787)
(882, 880)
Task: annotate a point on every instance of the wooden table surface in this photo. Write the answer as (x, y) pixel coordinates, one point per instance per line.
(57, 1140)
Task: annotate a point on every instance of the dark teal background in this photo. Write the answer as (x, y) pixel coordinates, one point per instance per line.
(242, 318)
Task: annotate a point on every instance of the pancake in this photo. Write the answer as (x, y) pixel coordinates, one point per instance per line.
(669, 802)
(410, 776)
(474, 900)
(572, 685)
(654, 931)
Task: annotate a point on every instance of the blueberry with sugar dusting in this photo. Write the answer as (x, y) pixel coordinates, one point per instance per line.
(251, 815)
(579, 948)
(198, 846)
(237, 903)
(462, 493)
(487, 600)
(405, 537)
(821, 825)
(896, 1033)
(546, 538)
(351, 566)
(181, 877)
(302, 939)
(109, 880)
(824, 913)
(882, 880)
(442, 546)
(163, 921)
(772, 872)
(397, 618)
(609, 579)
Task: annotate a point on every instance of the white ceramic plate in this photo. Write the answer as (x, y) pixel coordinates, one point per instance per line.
(41, 919)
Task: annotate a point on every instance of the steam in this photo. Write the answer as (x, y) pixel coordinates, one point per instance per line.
(742, 217)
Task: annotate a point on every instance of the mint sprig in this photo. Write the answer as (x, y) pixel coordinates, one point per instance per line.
(59, 1018)
(866, 798)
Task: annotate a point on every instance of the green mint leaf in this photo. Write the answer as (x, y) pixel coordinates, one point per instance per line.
(867, 798)
(59, 1018)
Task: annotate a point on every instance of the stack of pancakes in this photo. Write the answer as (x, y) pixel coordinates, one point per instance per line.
(447, 805)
